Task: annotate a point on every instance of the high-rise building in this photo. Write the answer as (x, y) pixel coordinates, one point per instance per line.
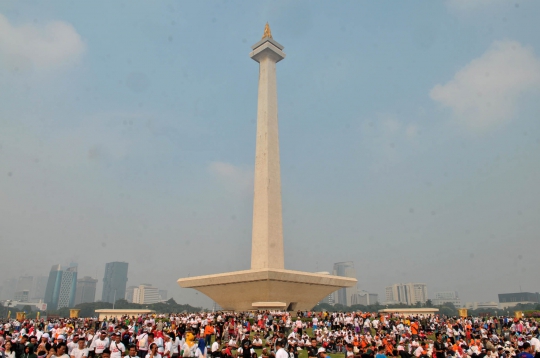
(513, 299)
(146, 294)
(22, 296)
(129, 293)
(328, 299)
(61, 287)
(86, 290)
(38, 291)
(443, 297)
(163, 294)
(344, 295)
(53, 287)
(364, 298)
(114, 281)
(406, 293)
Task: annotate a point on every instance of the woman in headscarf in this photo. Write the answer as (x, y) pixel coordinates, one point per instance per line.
(29, 352)
(201, 349)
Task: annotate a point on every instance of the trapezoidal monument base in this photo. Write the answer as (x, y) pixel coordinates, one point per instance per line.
(267, 288)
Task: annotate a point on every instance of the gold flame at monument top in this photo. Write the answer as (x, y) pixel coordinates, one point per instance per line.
(267, 32)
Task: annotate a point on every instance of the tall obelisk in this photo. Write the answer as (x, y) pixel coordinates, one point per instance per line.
(267, 285)
(267, 236)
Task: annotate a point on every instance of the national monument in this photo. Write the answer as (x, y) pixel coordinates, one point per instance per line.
(267, 285)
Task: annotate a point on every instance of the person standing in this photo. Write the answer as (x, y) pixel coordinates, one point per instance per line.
(208, 332)
(526, 351)
(80, 351)
(117, 348)
(142, 343)
(73, 344)
(280, 350)
(8, 350)
(153, 351)
(132, 352)
(101, 343)
(215, 350)
(439, 347)
(380, 353)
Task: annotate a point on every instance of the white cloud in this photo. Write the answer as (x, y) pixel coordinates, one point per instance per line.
(39, 47)
(234, 177)
(485, 93)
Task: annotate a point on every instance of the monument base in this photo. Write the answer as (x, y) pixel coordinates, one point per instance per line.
(262, 289)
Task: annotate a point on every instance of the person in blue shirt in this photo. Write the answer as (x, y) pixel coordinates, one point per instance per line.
(526, 352)
(380, 353)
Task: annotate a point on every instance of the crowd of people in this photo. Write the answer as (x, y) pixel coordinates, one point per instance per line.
(268, 334)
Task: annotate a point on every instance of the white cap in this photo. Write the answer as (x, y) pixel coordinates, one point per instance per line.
(321, 350)
(62, 337)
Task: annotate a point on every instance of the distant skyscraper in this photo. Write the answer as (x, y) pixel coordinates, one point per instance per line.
(21, 296)
(53, 287)
(61, 287)
(443, 297)
(129, 293)
(163, 294)
(146, 294)
(328, 299)
(40, 285)
(364, 298)
(408, 293)
(86, 290)
(344, 295)
(114, 281)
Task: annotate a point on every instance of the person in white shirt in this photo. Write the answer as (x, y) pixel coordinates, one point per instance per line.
(176, 344)
(73, 344)
(61, 349)
(80, 351)
(280, 351)
(116, 347)
(101, 343)
(132, 353)
(257, 342)
(153, 351)
(215, 349)
(167, 347)
(142, 343)
(535, 343)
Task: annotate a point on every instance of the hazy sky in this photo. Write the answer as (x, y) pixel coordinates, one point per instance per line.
(410, 139)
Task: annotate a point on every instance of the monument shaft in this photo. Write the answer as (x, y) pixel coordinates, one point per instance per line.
(267, 285)
(267, 237)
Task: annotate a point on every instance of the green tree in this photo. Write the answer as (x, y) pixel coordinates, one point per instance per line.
(122, 303)
(429, 303)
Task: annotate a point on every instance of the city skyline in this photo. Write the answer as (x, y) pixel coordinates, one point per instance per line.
(409, 133)
(360, 295)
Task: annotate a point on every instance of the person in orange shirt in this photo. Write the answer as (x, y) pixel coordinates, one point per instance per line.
(208, 332)
(364, 342)
(414, 330)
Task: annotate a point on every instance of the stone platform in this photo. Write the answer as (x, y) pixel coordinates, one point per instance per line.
(267, 288)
